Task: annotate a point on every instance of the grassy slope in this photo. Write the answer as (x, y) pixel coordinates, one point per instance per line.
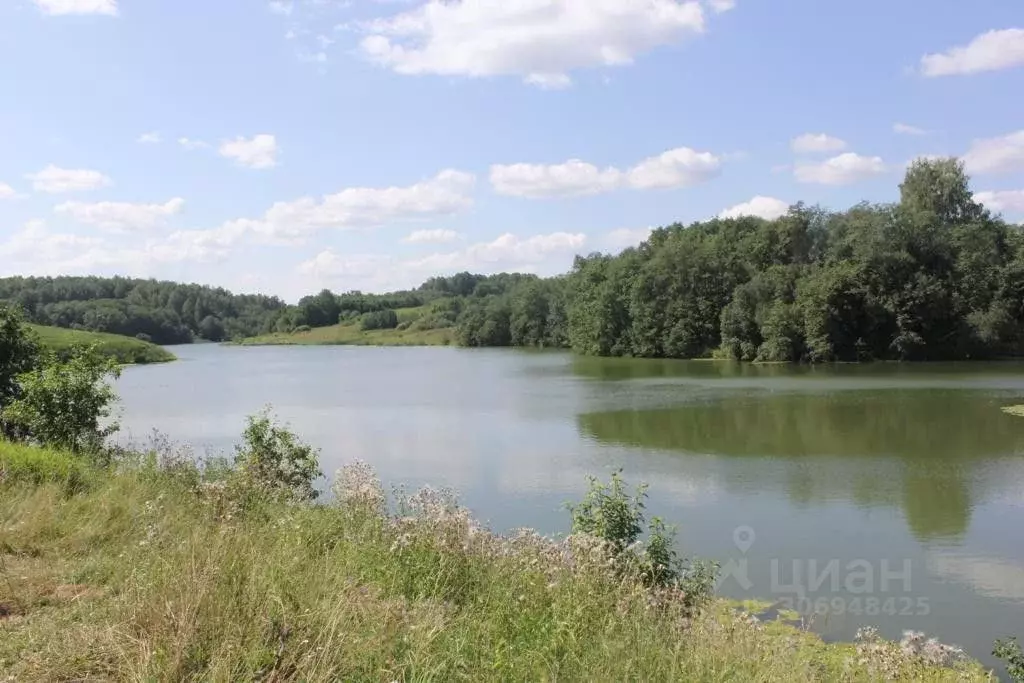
(127, 350)
(350, 334)
(140, 577)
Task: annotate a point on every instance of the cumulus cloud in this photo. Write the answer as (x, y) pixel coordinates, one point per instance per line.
(292, 222)
(679, 167)
(769, 208)
(906, 129)
(816, 142)
(623, 238)
(258, 152)
(989, 51)
(439, 236)
(7, 192)
(189, 143)
(65, 7)
(844, 169)
(151, 138)
(284, 7)
(1002, 201)
(1001, 154)
(376, 272)
(121, 216)
(34, 243)
(541, 41)
(54, 180)
(722, 5)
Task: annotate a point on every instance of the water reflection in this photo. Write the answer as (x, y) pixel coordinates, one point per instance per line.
(926, 452)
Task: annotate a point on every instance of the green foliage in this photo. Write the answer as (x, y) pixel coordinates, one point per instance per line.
(168, 312)
(24, 465)
(932, 277)
(19, 352)
(124, 350)
(1009, 651)
(379, 320)
(61, 402)
(608, 512)
(273, 460)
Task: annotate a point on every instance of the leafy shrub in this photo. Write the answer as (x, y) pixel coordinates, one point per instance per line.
(1010, 652)
(379, 320)
(273, 460)
(19, 352)
(62, 402)
(610, 513)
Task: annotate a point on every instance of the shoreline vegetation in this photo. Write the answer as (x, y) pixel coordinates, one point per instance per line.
(124, 350)
(933, 276)
(149, 567)
(149, 564)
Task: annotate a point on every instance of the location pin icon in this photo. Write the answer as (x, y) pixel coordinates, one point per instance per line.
(743, 537)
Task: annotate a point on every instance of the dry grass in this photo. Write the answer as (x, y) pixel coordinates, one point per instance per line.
(146, 576)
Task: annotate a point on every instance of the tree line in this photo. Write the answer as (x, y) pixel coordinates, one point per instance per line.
(931, 276)
(162, 312)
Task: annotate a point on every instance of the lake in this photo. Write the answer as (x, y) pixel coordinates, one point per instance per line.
(888, 495)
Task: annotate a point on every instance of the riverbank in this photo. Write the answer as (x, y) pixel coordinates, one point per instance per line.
(150, 572)
(350, 334)
(126, 350)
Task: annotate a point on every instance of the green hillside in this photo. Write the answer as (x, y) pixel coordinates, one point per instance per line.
(127, 350)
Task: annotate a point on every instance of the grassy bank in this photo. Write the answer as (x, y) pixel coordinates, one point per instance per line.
(126, 350)
(151, 574)
(351, 334)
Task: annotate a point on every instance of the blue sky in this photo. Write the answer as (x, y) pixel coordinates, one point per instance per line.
(367, 144)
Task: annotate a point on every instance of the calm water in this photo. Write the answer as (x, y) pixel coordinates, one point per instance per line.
(826, 480)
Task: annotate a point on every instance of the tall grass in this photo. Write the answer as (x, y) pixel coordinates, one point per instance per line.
(158, 572)
(126, 350)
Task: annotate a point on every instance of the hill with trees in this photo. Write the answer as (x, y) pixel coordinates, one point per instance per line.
(932, 276)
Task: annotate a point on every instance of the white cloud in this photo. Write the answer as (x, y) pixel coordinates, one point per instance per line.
(65, 7)
(122, 216)
(844, 169)
(989, 51)
(7, 192)
(816, 142)
(906, 129)
(1002, 201)
(189, 143)
(439, 236)
(355, 207)
(281, 7)
(996, 155)
(622, 238)
(768, 208)
(34, 243)
(257, 152)
(679, 167)
(508, 252)
(541, 41)
(571, 179)
(722, 5)
(53, 179)
(151, 138)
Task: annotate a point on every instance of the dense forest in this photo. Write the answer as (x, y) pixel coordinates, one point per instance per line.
(162, 312)
(932, 276)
